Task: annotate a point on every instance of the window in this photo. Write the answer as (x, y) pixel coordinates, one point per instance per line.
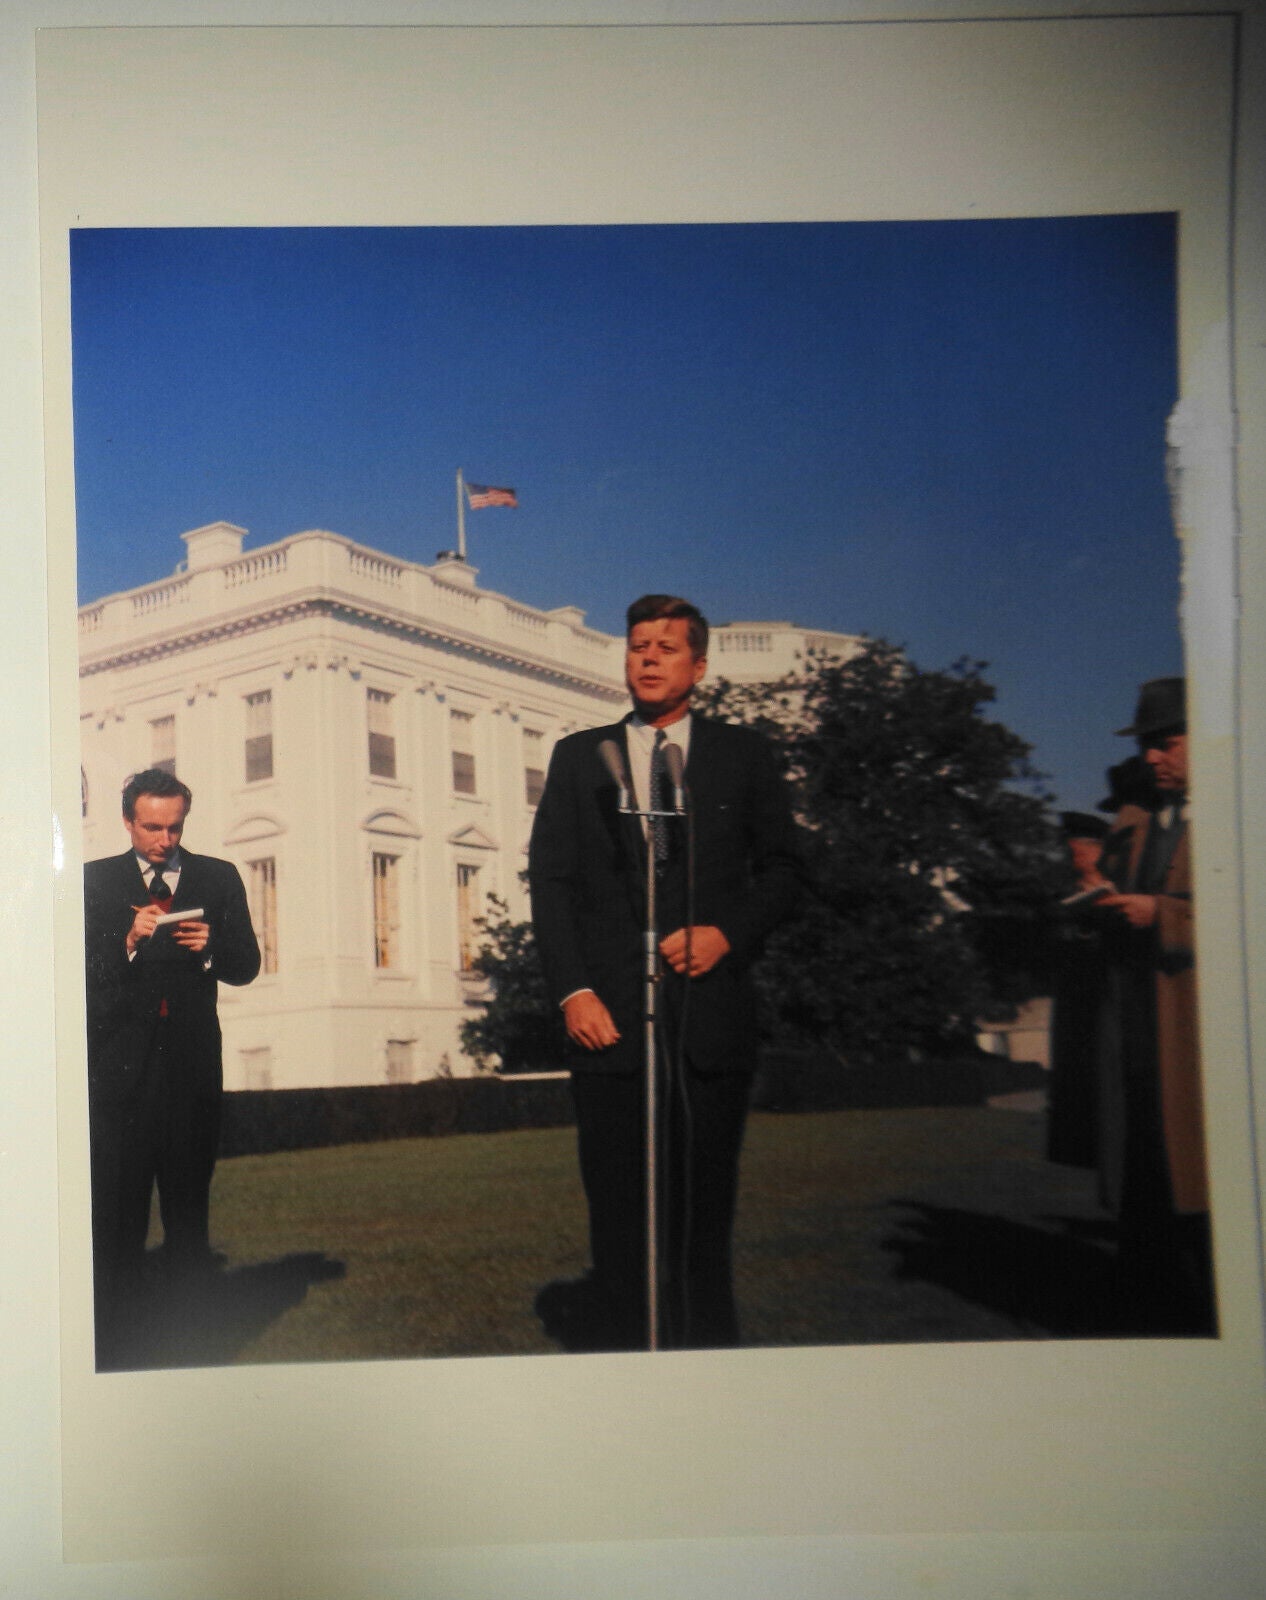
(462, 726)
(261, 892)
(386, 910)
(382, 734)
(468, 913)
(162, 744)
(259, 736)
(399, 1060)
(533, 765)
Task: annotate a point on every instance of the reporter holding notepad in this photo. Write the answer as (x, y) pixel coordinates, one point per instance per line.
(154, 1063)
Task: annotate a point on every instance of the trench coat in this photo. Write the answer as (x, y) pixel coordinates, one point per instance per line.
(1151, 1025)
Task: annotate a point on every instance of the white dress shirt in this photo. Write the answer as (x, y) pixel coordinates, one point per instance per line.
(171, 876)
(171, 872)
(641, 743)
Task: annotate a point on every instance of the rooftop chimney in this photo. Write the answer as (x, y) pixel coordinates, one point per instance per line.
(213, 545)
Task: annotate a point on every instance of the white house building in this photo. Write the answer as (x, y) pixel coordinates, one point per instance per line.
(761, 652)
(366, 738)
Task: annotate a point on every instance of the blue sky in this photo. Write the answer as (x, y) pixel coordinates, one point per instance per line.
(947, 433)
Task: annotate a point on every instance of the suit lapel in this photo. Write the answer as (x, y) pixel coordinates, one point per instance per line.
(189, 889)
(707, 749)
(1166, 849)
(632, 836)
(697, 758)
(131, 878)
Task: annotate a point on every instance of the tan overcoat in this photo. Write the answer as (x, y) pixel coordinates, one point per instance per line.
(1169, 948)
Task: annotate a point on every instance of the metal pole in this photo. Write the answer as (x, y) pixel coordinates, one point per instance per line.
(652, 1130)
(461, 516)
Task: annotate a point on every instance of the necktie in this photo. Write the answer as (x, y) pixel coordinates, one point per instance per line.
(160, 893)
(661, 798)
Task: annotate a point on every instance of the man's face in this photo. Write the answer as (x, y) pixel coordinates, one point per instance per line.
(1086, 853)
(660, 670)
(1167, 757)
(156, 826)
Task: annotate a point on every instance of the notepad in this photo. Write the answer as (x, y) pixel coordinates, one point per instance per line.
(186, 914)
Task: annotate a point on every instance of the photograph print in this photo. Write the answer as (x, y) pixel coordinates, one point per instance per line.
(634, 789)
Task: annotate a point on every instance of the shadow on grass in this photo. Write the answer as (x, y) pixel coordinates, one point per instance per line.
(206, 1321)
(1056, 1278)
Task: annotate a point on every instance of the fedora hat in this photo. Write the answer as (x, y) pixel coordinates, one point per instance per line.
(1082, 825)
(1162, 708)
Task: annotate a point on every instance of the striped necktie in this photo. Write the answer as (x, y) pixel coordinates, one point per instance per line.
(660, 798)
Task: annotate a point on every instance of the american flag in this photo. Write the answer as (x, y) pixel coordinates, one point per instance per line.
(483, 494)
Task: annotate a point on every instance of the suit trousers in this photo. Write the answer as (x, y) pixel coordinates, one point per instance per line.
(166, 1135)
(701, 1122)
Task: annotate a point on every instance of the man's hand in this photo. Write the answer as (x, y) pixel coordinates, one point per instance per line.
(192, 935)
(143, 925)
(707, 946)
(1139, 910)
(588, 1021)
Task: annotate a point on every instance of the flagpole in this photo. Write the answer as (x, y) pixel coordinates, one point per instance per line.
(461, 517)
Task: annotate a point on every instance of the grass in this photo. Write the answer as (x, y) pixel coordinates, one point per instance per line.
(854, 1227)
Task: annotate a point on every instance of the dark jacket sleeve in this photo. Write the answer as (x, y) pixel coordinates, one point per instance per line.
(555, 872)
(233, 947)
(107, 918)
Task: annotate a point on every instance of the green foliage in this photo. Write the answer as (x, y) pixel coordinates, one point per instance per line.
(519, 1026)
(932, 855)
(933, 863)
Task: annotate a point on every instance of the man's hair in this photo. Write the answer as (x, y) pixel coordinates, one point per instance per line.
(153, 781)
(654, 607)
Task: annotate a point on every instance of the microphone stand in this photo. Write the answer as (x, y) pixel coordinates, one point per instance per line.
(650, 991)
(650, 998)
(628, 807)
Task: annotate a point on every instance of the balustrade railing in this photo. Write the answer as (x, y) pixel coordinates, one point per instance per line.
(377, 568)
(160, 597)
(250, 569)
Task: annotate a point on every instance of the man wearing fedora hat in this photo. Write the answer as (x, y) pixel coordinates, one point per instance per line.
(1156, 1167)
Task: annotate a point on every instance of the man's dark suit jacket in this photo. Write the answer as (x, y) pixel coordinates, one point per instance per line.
(124, 997)
(587, 869)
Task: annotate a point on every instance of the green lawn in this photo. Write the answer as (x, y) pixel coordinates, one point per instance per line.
(854, 1227)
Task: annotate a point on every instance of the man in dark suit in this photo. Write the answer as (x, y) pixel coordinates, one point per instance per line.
(154, 1070)
(723, 882)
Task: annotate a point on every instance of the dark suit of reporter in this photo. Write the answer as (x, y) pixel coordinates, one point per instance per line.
(587, 868)
(154, 1064)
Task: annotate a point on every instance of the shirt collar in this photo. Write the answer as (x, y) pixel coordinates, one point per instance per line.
(675, 733)
(148, 868)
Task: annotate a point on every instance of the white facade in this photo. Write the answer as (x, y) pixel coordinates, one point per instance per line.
(760, 652)
(364, 738)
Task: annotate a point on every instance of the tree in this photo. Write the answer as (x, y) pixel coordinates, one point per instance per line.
(933, 865)
(933, 859)
(518, 1026)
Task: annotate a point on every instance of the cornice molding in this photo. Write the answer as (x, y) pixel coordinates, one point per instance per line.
(358, 615)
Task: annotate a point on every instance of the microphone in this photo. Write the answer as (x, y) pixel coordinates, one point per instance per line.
(613, 761)
(675, 768)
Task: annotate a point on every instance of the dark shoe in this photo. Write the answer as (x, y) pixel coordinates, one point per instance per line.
(192, 1266)
(582, 1317)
